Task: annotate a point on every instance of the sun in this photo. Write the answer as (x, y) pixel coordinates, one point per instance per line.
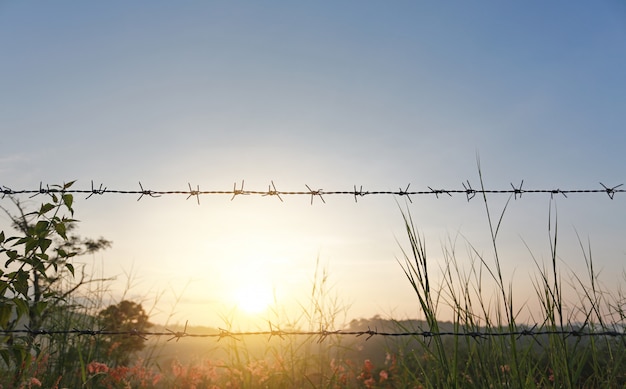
(254, 298)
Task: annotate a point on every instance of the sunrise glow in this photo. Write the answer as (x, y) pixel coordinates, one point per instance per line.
(254, 298)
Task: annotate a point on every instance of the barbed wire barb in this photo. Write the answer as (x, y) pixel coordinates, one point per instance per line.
(41, 190)
(145, 192)
(237, 192)
(227, 334)
(274, 332)
(359, 193)
(99, 191)
(517, 191)
(314, 193)
(178, 335)
(469, 192)
(405, 193)
(437, 192)
(611, 191)
(194, 192)
(369, 333)
(271, 191)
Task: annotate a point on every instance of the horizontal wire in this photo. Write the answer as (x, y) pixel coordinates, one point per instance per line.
(467, 190)
(321, 335)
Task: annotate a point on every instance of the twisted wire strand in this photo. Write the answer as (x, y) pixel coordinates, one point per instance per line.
(467, 190)
(321, 334)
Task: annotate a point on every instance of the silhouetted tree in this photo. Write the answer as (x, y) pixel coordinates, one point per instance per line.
(124, 316)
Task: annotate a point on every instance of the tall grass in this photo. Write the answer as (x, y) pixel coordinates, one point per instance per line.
(560, 358)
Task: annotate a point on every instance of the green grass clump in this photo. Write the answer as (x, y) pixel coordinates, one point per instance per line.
(503, 352)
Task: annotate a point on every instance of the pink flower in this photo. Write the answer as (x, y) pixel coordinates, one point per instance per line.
(157, 378)
(97, 367)
(383, 375)
(368, 366)
(34, 382)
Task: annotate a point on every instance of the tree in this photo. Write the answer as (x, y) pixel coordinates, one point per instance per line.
(126, 316)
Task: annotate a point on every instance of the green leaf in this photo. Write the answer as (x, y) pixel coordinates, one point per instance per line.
(21, 306)
(12, 254)
(1, 236)
(21, 283)
(6, 356)
(41, 228)
(44, 244)
(5, 315)
(42, 258)
(68, 199)
(46, 208)
(61, 230)
(3, 287)
(22, 240)
(31, 244)
(67, 185)
(70, 267)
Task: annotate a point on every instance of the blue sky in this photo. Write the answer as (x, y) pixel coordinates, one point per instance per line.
(329, 94)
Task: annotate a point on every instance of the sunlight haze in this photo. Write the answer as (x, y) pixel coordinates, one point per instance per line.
(168, 96)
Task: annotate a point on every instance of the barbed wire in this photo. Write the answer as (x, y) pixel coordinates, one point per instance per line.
(468, 191)
(321, 335)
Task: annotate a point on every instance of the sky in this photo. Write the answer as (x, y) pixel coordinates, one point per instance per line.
(331, 95)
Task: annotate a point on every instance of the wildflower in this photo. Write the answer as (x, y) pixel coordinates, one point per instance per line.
(210, 371)
(369, 383)
(383, 375)
(368, 365)
(178, 369)
(156, 379)
(336, 367)
(366, 374)
(34, 382)
(258, 369)
(118, 374)
(551, 377)
(97, 368)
